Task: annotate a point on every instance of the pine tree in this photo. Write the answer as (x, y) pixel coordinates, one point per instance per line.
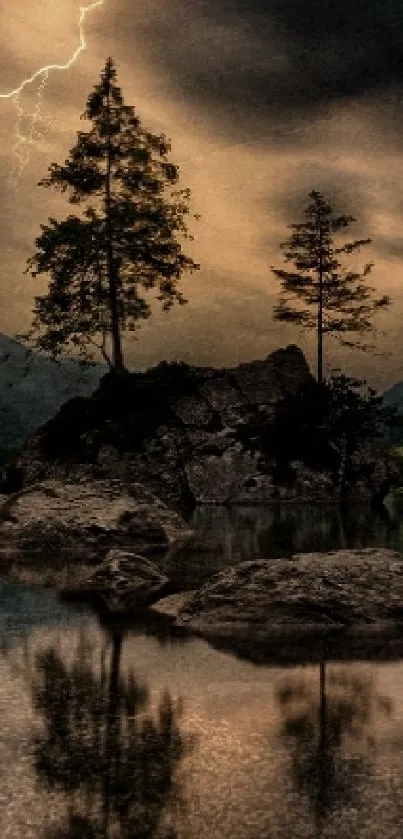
(320, 293)
(126, 240)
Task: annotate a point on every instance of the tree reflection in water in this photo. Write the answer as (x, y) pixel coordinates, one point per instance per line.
(114, 759)
(329, 735)
(299, 529)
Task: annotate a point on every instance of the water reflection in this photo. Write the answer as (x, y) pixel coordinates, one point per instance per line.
(328, 731)
(23, 609)
(223, 535)
(102, 746)
(294, 754)
(327, 528)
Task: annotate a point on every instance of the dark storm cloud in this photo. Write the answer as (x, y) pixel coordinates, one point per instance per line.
(277, 58)
(347, 192)
(390, 247)
(335, 181)
(263, 101)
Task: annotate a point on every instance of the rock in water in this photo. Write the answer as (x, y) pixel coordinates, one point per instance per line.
(81, 521)
(327, 590)
(127, 581)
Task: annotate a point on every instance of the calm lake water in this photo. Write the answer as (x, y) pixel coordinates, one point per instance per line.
(138, 732)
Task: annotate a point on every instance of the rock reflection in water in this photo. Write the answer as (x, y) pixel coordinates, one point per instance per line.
(114, 760)
(223, 536)
(328, 731)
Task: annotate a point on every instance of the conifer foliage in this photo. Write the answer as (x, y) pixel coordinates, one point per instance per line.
(320, 293)
(127, 240)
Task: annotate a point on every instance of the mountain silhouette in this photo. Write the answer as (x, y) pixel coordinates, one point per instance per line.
(32, 388)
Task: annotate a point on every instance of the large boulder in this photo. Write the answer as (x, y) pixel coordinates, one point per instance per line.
(82, 520)
(328, 591)
(221, 478)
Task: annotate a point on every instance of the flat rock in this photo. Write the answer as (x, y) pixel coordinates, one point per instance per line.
(83, 520)
(331, 590)
(171, 604)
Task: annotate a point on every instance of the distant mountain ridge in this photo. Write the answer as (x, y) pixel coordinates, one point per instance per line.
(393, 397)
(33, 388)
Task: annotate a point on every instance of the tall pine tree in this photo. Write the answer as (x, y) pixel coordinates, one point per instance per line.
(320, 293)
(126, 241)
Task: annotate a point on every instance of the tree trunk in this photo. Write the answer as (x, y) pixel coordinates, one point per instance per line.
(117, 354)
(322, 767)
(112, 731)
(343, 487)
(320, 303)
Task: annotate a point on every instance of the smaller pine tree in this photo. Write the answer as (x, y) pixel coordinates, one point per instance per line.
(320, 293)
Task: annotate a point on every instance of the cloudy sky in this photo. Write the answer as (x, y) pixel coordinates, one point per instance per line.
(263, 100)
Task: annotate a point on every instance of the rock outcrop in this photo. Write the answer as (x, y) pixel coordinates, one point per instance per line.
(173, 428)
(334, 590)
(189, 434)
(72, 521)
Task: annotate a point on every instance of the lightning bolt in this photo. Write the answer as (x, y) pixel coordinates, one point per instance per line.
(26, 136)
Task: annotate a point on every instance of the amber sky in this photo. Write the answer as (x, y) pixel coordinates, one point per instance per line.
(263, 100)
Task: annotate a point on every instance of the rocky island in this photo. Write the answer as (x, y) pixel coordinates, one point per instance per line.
(179, 431)
(104, 489)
